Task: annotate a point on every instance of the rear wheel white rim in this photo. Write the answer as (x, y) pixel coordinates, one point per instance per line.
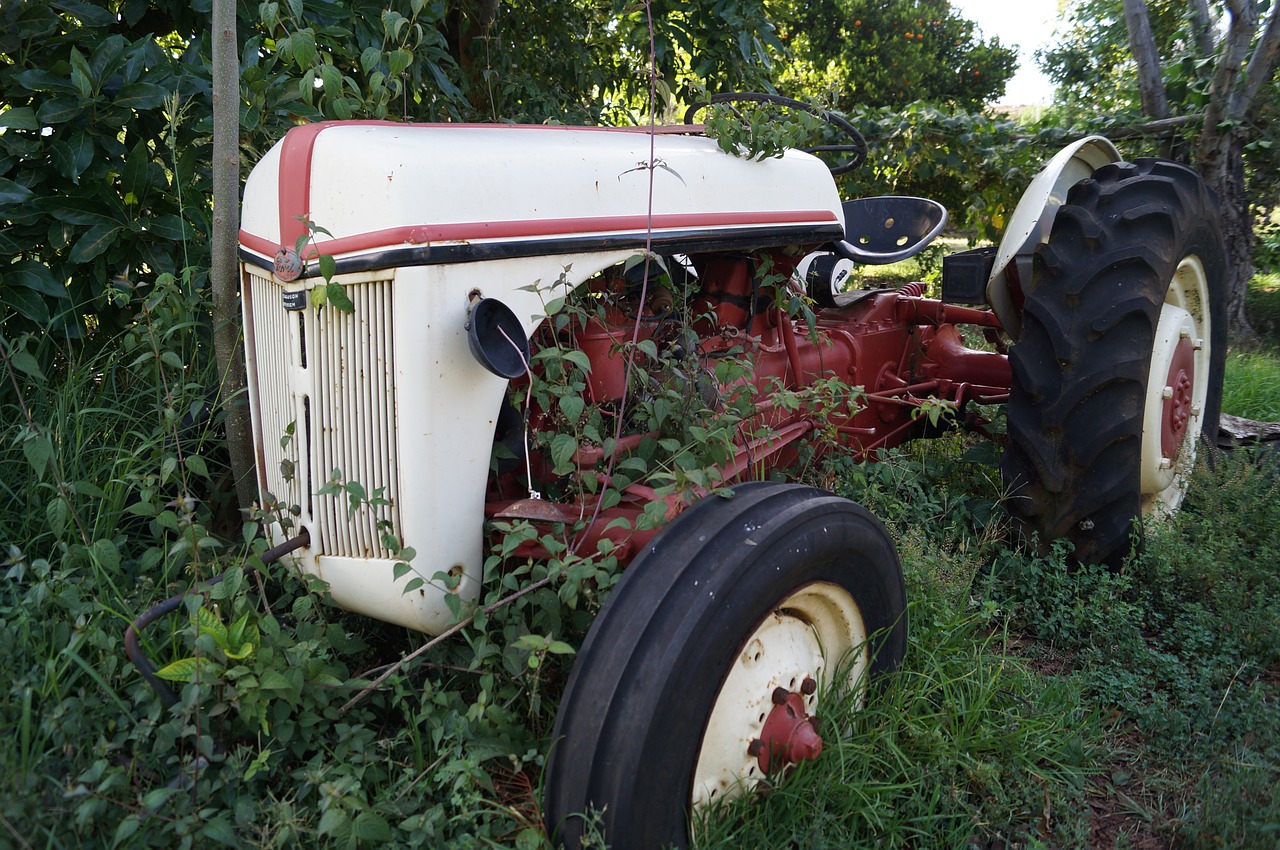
(1184, 315)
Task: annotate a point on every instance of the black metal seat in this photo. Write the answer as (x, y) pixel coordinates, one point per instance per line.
(888, 228)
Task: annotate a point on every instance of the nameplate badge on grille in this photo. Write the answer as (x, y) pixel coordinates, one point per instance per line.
(295, 299)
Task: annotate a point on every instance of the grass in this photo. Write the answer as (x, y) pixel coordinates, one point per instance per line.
(1251, 388)
(1038, 706)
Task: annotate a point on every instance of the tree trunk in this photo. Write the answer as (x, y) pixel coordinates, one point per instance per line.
(224, 271)
(1224, 172)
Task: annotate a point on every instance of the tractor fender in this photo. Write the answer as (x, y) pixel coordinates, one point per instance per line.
(1033, 218)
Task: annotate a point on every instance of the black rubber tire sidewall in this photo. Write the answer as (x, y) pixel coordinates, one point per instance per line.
(1082, 362)
(631, 721)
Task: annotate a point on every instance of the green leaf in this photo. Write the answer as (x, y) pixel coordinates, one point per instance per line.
(37, 277)
(398, 62)
(220, 830)
(187, 669)
(270, 15)
(126, 830)
(81, 74)
(370, 826)
(29, 304)
(107, 555)
(579, 358)
(107, 57)
(369, 59)
(207, 623)
(239, 651)
(91, 15)
(338, 297)
(140, 96)
(304, 48)
(157, 797)
(38, 451)
(19, 118)
(169, 227)
(562, 448)
(197, 466)
(25, 362)
(56, 515)
(572, 406)
(95, 240)
(13, 193)
(58, 110)
(274, 680)
(41, 80)
(328, 267)
(333, 820)
(258, 765)
(80, 210)
(133, 178)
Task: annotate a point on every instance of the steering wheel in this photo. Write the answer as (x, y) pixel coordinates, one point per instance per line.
(856, 147)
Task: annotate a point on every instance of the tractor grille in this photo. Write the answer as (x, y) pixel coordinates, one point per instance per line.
(342, 401)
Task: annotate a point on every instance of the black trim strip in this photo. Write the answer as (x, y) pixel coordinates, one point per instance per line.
(667, 241)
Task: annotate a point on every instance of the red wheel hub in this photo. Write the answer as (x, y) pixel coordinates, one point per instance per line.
(789, 735)
(1178, 391)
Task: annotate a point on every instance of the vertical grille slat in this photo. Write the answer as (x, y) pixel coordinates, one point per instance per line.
(347, 385)
(355, 383)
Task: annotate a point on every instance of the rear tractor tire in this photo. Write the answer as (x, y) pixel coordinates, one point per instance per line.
(1118, 370)
(742, 613)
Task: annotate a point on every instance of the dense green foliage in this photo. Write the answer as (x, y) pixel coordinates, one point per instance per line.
(1093, 70)
(1091, 63)
(873, 53)
(106, 111)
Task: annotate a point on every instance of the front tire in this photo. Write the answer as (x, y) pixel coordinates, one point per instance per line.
(735, 598)
(1118, 371)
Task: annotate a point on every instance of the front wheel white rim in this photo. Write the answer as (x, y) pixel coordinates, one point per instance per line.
(816, 632)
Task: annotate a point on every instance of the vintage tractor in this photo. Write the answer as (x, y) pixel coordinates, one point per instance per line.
(650, 267)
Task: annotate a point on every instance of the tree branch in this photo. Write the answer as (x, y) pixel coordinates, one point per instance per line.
(1222, 99)
(1262, 64)
(1201, 27)
(1143, 44)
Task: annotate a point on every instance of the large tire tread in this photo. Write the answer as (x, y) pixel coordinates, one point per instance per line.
(1080, 367)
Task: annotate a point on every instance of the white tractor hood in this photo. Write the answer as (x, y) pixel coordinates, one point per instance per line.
(457, 193)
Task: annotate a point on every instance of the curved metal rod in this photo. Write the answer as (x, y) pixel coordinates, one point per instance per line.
(133, 646)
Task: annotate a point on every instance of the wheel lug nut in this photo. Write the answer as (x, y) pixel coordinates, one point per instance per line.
(1168, 392)
(1166, 463)
(1199, 344)
(808, 687)
(1184, 334)
(780, 695)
